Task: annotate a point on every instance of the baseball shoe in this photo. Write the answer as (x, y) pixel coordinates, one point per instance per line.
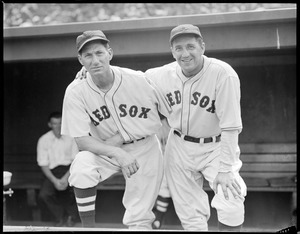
(158, 219)
(156, 224)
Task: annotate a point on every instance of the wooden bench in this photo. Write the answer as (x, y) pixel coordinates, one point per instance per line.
(269, 167)
(266, 167)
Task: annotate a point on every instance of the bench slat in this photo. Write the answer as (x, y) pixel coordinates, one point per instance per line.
(268, 148)
(268, 158)
(266, 175)
(269, 167)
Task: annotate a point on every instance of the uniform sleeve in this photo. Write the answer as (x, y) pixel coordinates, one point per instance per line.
(42, 153)
(163, 105)
(229, 113)
(228, 104)
(229, 153)
(75, 120)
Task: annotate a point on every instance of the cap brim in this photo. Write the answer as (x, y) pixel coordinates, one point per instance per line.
(92, 39)
(181, 33)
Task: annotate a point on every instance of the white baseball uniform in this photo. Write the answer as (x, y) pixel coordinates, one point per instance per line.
(203, 106)
(129, 108)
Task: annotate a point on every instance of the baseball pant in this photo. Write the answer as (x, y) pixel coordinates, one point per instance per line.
(142, 188)
(186, 166)
(164, 189)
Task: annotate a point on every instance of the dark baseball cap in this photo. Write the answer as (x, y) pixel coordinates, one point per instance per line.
(88, 36)
(184, 29)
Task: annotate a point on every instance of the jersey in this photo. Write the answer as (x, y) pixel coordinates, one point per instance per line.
(129, 108)
(205, 104)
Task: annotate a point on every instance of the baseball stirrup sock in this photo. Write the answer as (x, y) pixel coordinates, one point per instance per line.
(161, 208)
(86, 199)
(162, 203)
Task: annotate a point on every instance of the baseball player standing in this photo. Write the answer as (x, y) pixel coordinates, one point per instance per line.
(203, 142)
(113, 116)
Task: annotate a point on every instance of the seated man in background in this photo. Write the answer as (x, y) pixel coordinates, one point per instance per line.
(54, 155)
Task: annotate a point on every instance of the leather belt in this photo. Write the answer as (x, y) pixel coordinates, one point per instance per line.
(129, 142)
(198, 140)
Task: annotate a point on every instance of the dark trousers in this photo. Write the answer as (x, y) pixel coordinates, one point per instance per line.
(59, 203)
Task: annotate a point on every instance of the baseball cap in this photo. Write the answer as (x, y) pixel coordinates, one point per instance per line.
(88, 36)
(184, 29)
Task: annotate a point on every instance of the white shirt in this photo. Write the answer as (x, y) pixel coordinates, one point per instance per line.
(53, 151)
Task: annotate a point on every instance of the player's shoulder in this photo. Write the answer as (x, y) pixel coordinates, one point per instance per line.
(127, 72)
(162, 73)
(164, 68)
(75, 85)
(132, 77)
(222, 66)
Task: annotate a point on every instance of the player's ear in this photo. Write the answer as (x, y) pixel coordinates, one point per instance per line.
(171, 48)
(79, 59)
(173, 54)
(203, 47)
(111, 53)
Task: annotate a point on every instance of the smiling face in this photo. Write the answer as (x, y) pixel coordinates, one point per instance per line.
(188, 51)
(95, 57)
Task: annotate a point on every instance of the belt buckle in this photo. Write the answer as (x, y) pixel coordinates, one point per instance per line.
(213, 139)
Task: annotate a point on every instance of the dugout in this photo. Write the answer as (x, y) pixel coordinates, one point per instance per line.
(40, 61)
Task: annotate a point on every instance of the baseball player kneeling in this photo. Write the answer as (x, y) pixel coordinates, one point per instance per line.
(203, 142)
(113, 116)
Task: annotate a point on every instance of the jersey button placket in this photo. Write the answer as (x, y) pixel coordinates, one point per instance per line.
(114, 114)
(185, 106)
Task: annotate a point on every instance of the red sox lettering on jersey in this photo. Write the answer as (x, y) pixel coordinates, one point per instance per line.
(133, 111)
(119, 110)
(202, 99)
(203, 102)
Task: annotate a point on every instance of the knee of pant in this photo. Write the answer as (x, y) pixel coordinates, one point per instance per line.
(83, 171)
(230, 212)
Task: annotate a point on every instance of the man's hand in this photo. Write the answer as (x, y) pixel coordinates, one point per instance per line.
(227, 181)
(60, 184)
(128, 163)
(117, 140)
(82, 74)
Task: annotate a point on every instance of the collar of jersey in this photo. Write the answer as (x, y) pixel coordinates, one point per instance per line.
(197, 76)
(116, 83)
